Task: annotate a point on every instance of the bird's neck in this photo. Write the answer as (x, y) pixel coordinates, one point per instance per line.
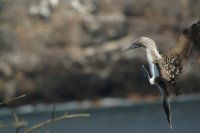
(152, 54)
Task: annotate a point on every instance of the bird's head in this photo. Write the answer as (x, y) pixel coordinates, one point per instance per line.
(144, 42)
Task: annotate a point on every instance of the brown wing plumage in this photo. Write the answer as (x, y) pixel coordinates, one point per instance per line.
(180, 59)
(187, 49)
(193, 33)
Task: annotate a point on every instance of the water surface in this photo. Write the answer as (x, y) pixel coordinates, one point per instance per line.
(140, 118)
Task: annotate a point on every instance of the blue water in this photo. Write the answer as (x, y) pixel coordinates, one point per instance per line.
(144, 118)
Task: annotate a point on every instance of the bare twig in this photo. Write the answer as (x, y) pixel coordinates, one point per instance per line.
(12, 99)
(63, 117)
(18, 124)
(53, 111)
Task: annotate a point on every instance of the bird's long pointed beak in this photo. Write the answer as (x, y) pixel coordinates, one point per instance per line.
(133, 46)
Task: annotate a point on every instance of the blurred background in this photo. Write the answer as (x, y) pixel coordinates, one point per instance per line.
(70, 50)
(60, 50)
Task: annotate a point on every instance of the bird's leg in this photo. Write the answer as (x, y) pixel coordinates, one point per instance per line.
(145, 72)
(148, 75)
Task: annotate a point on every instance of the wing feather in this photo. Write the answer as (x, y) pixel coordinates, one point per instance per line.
(180, 59)
(187, 50)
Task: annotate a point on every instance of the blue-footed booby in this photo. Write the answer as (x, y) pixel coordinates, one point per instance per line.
(166, 68)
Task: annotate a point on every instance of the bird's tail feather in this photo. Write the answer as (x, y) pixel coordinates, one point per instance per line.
(166, 105)
(163, 87)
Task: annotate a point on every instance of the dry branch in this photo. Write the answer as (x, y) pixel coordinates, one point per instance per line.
(12, 99)
(63, 117)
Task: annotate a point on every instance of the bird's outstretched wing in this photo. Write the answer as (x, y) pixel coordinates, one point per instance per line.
(180, 59)
(186, 52)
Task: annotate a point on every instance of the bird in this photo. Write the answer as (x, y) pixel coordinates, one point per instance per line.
(166, 68)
